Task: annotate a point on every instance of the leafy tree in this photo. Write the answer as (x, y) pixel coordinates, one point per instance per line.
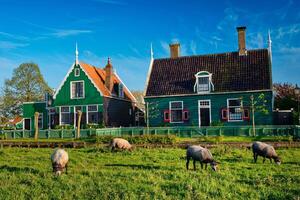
(27, 84)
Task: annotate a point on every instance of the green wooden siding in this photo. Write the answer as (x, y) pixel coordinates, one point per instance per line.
(92, 96)
(30, 108)
(218, 101)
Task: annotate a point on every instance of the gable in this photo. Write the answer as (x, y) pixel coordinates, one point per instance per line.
(230, 73)
(91, 93)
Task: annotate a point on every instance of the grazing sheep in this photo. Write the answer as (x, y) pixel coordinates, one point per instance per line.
(119, 143)
(198, 153)
(266, 151)
(59, 160)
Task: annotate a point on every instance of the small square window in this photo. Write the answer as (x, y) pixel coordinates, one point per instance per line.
(77, 72)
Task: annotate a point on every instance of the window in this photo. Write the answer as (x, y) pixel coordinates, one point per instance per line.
(203, 82)
(235, 111)
(64, 115)
(121, 91)
(176, 108)
(77, 89)
(77, 72)
(40, 121)
(93, 114)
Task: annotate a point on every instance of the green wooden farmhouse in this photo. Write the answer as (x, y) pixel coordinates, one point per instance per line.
(98, 93)
(204, 90)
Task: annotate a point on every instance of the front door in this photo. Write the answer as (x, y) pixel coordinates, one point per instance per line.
(27, 124)
(204, 113)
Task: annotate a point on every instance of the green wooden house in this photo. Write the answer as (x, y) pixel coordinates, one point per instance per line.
(98, 93)
(204, 90)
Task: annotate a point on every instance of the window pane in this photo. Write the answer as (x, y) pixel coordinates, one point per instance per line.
(203, 84)
(65, 109)
(65, 118)
(176, 115)
(235, 102)
(176, 105)
(93, 118)
(92, 108)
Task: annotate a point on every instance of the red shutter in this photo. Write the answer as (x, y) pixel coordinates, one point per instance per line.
(246, 114)
(167, 116)
(185, 115)
(224, 114)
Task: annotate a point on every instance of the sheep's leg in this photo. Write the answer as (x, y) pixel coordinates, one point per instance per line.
(194, 162)
(187, 163)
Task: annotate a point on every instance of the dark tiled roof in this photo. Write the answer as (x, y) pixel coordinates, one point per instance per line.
(230, 72)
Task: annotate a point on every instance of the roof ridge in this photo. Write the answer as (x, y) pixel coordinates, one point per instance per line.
(210, 54)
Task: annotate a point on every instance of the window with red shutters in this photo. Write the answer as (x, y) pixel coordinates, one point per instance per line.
(224, 114)
(166, 116)
(185, 115)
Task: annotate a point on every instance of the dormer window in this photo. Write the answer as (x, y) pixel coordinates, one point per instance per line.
(203, 82)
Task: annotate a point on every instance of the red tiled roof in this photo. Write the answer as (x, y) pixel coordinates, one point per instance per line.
(98, 77)
(230, 72)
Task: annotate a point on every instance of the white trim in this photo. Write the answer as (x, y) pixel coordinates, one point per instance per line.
(241, 106)
(216, 93)
(170, 115)
(199, 112)
(148, 75)
(124, 86)
(63, 81)
(83, 93)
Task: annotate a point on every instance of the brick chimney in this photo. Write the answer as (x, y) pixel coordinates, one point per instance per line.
(109, 75)
(242, 40)
(175, 50)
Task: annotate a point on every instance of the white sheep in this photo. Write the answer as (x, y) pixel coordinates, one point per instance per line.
(119, 143)
(59, 159)
(266, 151)
(198, 153)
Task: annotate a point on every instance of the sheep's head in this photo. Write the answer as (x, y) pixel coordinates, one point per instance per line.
(214, 165)
(277, 160)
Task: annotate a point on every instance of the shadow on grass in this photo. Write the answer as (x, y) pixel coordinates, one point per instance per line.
(134, 166)
(18, 169)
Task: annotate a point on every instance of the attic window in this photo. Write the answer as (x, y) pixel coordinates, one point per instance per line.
(77, 72)
(203, 82)
(121, 91)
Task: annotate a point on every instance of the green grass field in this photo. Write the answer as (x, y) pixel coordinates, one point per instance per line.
(147, 174)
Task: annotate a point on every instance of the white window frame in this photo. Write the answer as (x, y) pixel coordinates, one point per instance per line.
(170, 115)
(77, 72)
(60, 112)
(228, 112)
(83, 88)
(24, 124)
(210, 84)
(199, 112)
(87, 112)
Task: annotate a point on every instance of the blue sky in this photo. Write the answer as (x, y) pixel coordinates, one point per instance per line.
(45, 32)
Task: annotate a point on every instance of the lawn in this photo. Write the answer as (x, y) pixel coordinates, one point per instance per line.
(147, 174)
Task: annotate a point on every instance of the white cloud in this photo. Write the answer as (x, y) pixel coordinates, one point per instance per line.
(7, 45)
(69, 32)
